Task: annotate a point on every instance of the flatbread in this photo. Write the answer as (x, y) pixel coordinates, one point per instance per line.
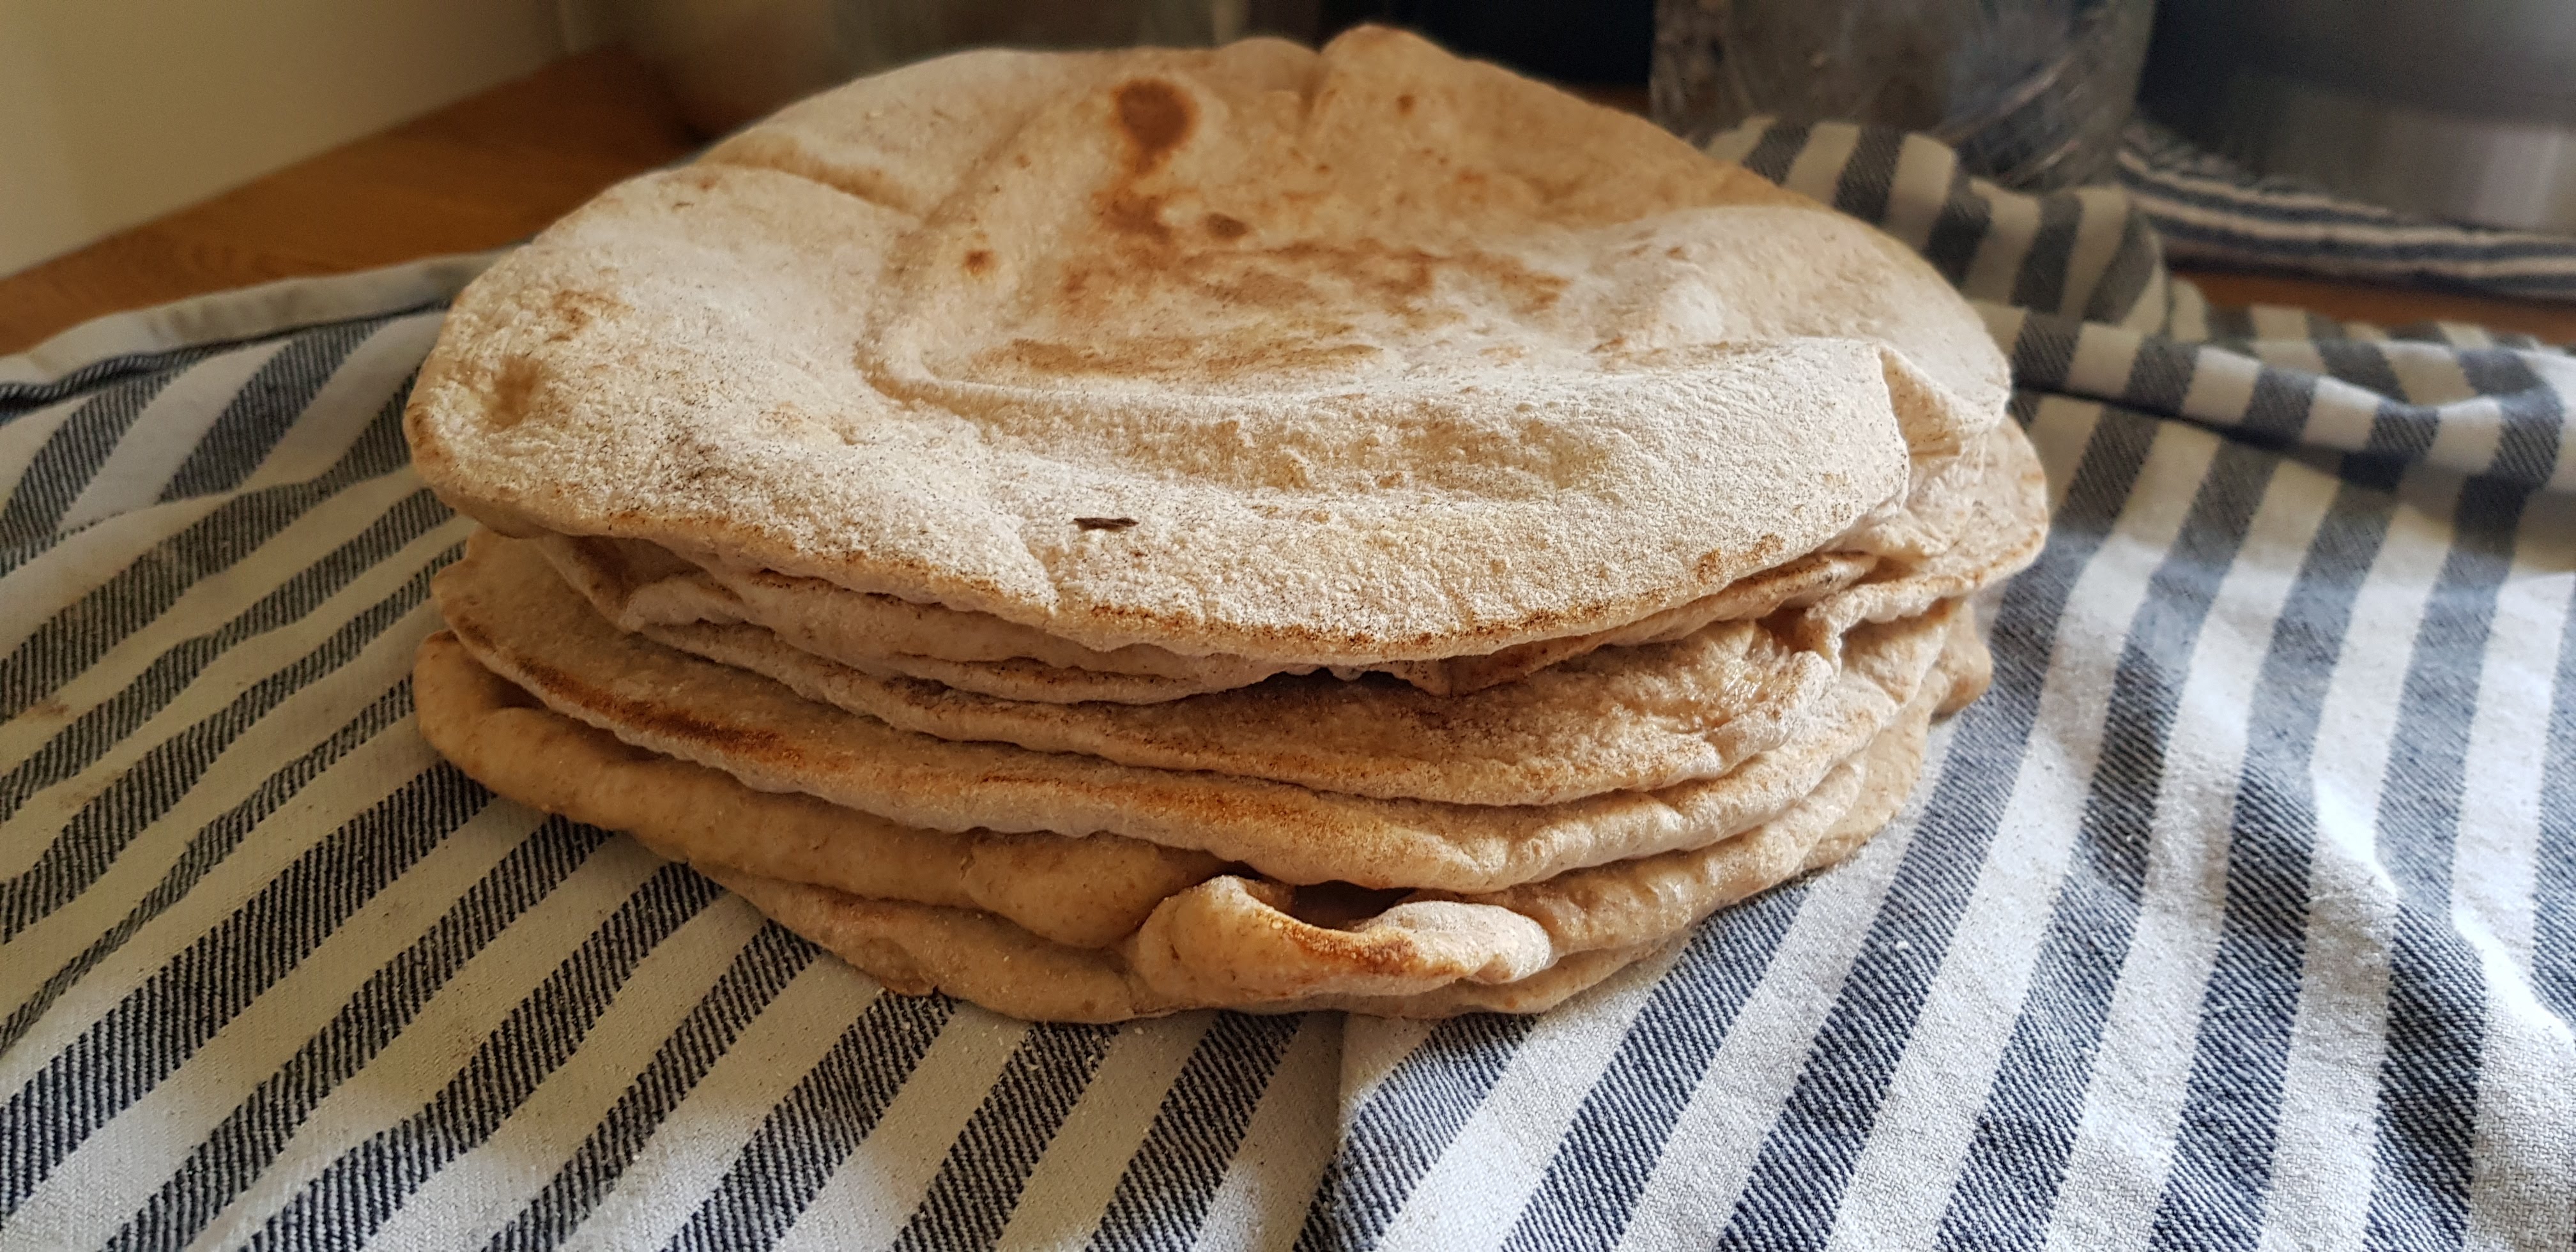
(1994, 529)
(1336, 358)
(771, 739)
(1980, 516)
(1629, 718)
(640, 587)
(917, 950)
(1233, 943)
(1079, 892)
(1218, 941)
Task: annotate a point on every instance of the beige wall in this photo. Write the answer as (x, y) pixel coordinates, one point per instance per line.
(113, 112)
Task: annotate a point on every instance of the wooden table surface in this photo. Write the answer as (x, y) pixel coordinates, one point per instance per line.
(478, 174)
(496, 167)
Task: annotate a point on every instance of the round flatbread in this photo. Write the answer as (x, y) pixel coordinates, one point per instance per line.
(1622, 718)
(1337, 358)
(641, 587)
(542, 638)
(1103, 928)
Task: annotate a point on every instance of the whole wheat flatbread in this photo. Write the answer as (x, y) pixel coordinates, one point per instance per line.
(918, 949)
(1080, 892)
(1629, 718)
(1344, 358)
(1981, 516)
(1234, 943)
(640, 587)
(1635, 718)
(1204, 941)
(770, 738)
(1991, 530)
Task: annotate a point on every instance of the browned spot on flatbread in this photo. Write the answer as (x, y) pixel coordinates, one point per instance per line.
(1404, 104)
(1130, 213)
(647, 715)
(979, 261)
(1156, 116)
(1307, 281)
(1307, 288)
(1760, 554)
(1303, 294)
(1265, 289)
(514, 389)
(1104, 523)
(1142, 355)
(575, 310)
(514, 386)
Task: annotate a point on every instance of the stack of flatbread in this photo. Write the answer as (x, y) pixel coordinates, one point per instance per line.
(1108, 534)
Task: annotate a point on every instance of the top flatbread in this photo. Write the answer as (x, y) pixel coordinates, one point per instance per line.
(1334, 358)
(1972, 519)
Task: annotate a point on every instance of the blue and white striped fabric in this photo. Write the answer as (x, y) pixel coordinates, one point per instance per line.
(2213, 211)
(2241, 913)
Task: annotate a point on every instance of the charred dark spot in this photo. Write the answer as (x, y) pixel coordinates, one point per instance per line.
(1156, 117)
(979, 261)
(1222, 227)
(1104, 523)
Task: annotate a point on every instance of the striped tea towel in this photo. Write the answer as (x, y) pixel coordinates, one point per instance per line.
(2241, 913)
(2211, 210)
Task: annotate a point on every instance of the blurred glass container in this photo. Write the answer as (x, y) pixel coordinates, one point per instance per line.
(2032, 93)
(730, 61)
(2461, 109)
